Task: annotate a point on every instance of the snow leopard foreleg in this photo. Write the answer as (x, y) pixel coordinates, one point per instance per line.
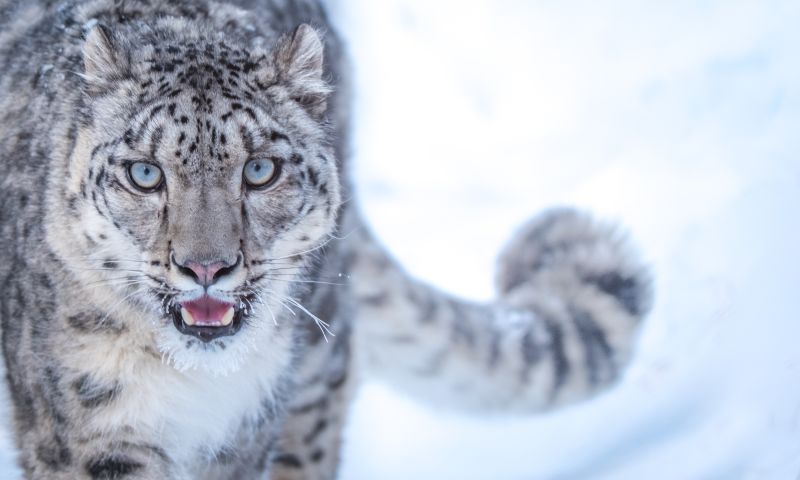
(54, 446)
(572, 294)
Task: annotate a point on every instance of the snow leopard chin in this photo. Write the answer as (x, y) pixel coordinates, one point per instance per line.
(258, 338)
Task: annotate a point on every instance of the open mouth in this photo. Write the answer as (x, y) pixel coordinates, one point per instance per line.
(207, 318)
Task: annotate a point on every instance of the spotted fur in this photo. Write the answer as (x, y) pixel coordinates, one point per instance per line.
(92, 267)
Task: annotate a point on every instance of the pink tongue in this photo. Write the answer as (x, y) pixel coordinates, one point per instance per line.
(206, 310)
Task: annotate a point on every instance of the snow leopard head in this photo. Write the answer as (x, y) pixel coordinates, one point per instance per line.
(201, 183)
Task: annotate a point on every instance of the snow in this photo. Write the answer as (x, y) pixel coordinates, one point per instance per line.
(678, 119)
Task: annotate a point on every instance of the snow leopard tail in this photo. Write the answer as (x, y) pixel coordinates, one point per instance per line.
(572, 296)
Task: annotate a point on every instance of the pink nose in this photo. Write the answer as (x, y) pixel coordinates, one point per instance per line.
(205, 273)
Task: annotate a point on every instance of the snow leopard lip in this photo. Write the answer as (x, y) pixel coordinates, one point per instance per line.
(206, 333)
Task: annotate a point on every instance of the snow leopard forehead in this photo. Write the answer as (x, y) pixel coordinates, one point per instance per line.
(207, 88)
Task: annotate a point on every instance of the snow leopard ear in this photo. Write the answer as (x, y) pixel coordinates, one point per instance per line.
(299, 60)
(102, 61)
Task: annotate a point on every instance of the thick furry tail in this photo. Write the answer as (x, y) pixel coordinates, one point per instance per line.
(572, 294)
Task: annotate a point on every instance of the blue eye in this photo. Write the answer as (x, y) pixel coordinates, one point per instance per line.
(145, 176)
(259, 172)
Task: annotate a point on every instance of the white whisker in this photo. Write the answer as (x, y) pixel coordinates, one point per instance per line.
(306, 281)
(323, 326)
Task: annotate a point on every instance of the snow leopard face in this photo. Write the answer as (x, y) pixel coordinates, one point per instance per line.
(201, 182)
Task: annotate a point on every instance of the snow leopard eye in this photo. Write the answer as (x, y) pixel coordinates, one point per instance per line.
(145, 176)
(260, 172)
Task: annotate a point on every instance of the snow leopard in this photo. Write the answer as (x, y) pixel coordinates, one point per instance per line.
(187, 287)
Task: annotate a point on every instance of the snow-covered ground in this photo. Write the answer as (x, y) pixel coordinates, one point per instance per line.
(680, 119)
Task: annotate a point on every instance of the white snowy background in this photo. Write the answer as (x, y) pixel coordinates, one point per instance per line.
(679, 119)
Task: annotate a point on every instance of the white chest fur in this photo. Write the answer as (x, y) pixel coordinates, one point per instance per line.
(191, 414)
